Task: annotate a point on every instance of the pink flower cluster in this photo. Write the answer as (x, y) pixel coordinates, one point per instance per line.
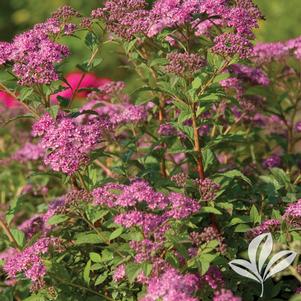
(39, 222)
(153, 221)
(208, 189)
(233, 83)
(167, 129)
(293, 212)
(119, 273)
(268, 52)
(175, 205)
(213, 278)
(272, 161)
(183, 63)
(68, 142)
(119, 113)
(230, 44)
(272, 124)
(34, 55)
(269, 225)
(208, 234)
(125, 18)
(250, 74)
(292, 215)
(172, 286)
(29, 261)
(29, 152)
(135, 18)
(225, 295)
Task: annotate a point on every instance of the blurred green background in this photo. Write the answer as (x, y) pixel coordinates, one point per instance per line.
(283, 20)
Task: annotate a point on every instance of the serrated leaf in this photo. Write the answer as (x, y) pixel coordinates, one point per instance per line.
(239, 220)
(196, 83)
(88, 238)
(101, 278)
(57, 219)
(25, 92)
(242, 228)
(53, 111)
(211, 210)
(254, 215)
(19, 236)
(86, 273)
(132, 271)
(95, 257)
(236, 173)
(116, 233)
(37, 297)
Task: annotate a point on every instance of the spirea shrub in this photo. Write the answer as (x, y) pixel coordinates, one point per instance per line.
(146, 192)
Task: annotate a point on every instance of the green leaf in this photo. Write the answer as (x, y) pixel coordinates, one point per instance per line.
(242, 228)
(158, 61)
(106, 255)
(208, 158)
(63, 101)
(88, 238)
(19, 236)
(282, 178)
(53, 111)
(116, 233)
(239, 220)
(205, 261)
(15, 205)
(95, 257)
(86, 273)
(38, 297)
(276, 214)
(211, 210)
(132, 271)
(236, 173)
(254, 215)
(101, 278)
(25, 93)
(57, 219)
(91, 39)
(95, 214)
(196, 83)
(221, 77)
(147, 268)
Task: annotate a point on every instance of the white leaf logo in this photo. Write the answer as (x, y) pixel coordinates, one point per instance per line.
(259, 250)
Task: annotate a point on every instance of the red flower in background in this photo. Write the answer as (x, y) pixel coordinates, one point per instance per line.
(76, 81)
(7, 100)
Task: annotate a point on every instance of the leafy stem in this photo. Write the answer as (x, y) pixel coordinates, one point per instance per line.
(197, 147)
(79, 286)
(8, 233)
(28, 108)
